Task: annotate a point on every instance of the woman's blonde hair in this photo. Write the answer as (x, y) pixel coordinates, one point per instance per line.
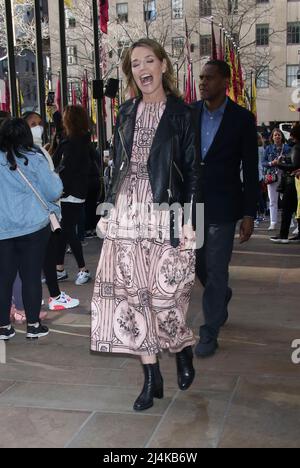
(169, 80)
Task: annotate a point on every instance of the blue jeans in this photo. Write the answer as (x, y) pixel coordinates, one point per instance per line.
(212, 268)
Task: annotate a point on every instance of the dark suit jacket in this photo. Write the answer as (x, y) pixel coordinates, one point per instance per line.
(226, 197)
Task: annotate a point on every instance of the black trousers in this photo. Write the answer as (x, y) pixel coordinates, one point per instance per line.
(71, 213)
(289, 206)
(26, 255)
(50, 265)
(212, 269)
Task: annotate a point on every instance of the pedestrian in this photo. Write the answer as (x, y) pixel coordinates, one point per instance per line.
(58, 300)
(24, 223)
(72, 162)
(228, 142)
(273, 152)
(146, 274)
(288, 165)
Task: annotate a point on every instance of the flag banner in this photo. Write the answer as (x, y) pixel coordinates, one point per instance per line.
(74, 95)
(104, 15)
(85, 93)
(221, 45)
(188, 92)
(58, 95)
(69, 4)
(214, 54)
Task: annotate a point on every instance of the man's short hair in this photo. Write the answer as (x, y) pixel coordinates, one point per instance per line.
(223, 67)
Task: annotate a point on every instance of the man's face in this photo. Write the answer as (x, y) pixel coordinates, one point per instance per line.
(212, 83)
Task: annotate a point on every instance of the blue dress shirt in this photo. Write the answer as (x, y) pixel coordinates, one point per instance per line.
(210, 124)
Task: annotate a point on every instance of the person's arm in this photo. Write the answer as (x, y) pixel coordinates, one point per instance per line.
(250, 177)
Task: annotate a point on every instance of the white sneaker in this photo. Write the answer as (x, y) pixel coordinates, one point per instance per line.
(272, 227)
(83, 277)
(63, 302)
(296, 232)
(61, 275)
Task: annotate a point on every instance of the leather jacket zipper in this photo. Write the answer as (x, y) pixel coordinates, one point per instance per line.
(178, 170)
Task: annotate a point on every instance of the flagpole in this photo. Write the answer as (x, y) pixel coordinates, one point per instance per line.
(63, 54)
(98, 76)
(11, 59)
(40, 66)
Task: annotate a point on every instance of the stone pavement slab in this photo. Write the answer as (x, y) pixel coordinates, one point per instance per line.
(247, 395)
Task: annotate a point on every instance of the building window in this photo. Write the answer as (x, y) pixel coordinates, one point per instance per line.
(205, 46)
(205, 8)
(122, 12)
(177, 46)
(72, 58)
(263, 78)
(177, 9)
(293, 33)
(233, 7)
(70, 20)
(291, 75)
(149, 10)
(262, 34)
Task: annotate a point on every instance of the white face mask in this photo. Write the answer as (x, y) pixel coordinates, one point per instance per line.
(37, 133)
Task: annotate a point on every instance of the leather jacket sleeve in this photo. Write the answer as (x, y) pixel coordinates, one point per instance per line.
(191, 164)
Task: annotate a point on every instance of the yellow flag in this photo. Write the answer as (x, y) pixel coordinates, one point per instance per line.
(69, 4)
(94, 111)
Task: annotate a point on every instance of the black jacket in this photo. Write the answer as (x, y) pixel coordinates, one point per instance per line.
(72, 162)
(226, 197)
(173, 165)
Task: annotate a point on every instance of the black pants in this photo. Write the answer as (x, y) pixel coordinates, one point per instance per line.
(90, 209)
(71, 213)
(50, 265)
(26, 255)
(212, 269)
(289, 206)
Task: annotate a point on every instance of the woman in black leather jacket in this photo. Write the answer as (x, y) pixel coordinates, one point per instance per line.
(146, 271)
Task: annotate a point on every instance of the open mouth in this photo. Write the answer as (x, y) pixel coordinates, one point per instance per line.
(146, 80)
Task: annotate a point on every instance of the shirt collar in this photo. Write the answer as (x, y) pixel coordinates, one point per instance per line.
(218, 112)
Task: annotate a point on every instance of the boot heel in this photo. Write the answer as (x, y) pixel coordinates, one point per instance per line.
(159, 394)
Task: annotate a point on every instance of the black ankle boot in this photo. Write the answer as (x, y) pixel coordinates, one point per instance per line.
(185, 369)
(153, 387)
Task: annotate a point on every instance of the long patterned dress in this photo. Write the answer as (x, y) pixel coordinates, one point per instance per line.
(143, 284)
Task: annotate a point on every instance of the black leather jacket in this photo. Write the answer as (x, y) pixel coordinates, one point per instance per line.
(174, 164)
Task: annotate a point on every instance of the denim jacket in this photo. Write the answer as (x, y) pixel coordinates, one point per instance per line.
(272, 153)
(21, 213)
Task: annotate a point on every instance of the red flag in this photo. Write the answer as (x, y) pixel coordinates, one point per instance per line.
(85, 97)
(221, 48)
(188, 92)
(58, 95)
(214, 54)
(5, 104)
(74, 96)
(104, 15)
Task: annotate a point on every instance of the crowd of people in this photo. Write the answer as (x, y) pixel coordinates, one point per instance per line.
(279, 183)
(165, 153)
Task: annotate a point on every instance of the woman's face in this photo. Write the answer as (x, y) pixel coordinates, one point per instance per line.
(147, 71)
(277, 137)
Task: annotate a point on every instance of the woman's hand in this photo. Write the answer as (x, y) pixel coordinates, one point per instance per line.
(188, 241)
(102, 227)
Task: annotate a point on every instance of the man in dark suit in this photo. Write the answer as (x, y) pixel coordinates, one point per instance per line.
(229, 154)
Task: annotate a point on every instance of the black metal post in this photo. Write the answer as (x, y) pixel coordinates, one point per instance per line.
(98, 76)
(63, 54)
(11, 60)
(40, 65)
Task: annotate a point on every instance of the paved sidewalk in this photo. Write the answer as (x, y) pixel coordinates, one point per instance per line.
(55, 393)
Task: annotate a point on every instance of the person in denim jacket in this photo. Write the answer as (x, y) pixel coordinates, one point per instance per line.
(24, 222)
(277, 149)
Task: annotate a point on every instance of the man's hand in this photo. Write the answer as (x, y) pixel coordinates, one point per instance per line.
(188, 241)
(246, 229)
